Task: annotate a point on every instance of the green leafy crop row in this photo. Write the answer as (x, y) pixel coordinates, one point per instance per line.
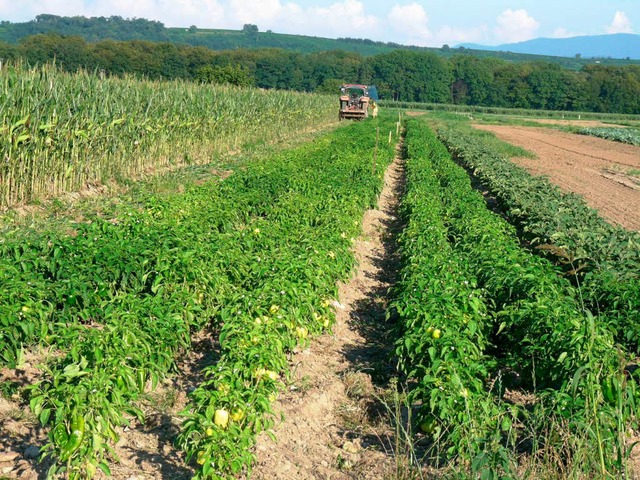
(255, 257)
(299, 246)
(532, 324)
(444, 324)
(601, 258)
(623, 135)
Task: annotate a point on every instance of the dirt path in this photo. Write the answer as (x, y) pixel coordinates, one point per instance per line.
(602, 171)
(334, 425)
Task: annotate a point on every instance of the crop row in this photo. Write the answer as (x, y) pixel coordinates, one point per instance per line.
(521, 318)
(599, 257)
(466, 110)
(304, 249)
(60, 132)
(254, 257)
(623, 135)
(444, 324)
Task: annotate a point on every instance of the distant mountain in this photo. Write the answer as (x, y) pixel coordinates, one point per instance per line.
(619, 45)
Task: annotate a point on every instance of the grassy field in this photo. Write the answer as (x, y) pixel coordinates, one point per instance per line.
(509, 115)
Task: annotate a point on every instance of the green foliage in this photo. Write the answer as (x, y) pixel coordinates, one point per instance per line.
(255, 258)
(601, 258)
(62, 131)
(444, 324)
(296, 246)
(91, 29)
(498, 309)
(405, 75)
(623, 135)
(224, 75)
(330, 86)
(251, 31)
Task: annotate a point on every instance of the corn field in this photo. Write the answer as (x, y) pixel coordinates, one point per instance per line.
(61, 132)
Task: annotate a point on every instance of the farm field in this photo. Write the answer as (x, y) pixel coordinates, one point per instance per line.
(574, 122)
(82, 342)
(462, 269)
(90, 132)
(606, 173)
(360, 282)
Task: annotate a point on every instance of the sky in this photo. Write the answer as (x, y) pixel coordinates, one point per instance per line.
(425, 23)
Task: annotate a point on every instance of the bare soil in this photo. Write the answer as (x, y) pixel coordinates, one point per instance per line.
(336, 426)
(602, 171)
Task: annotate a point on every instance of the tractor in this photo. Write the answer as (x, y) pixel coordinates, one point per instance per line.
(354, 101)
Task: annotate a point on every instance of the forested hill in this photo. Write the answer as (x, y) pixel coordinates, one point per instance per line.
(405, 75)
(118, 28)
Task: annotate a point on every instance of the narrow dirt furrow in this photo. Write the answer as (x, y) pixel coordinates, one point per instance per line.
(336, 426)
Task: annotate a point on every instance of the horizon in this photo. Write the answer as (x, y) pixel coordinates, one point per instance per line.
(427, 24)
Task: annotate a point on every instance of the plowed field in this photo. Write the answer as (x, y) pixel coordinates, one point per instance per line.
(604, 172)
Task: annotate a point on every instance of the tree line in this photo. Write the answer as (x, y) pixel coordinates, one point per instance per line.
(404, 75)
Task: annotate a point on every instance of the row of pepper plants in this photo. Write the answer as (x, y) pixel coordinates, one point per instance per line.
(475, 307)
(599, 257)
(255, 258)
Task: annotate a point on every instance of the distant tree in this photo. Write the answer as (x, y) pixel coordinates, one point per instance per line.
(548, 87)
(69, 53)
(412, 76)
(7, 52)
(578, 56)
(472, 77)
(227, 74)
(193, 29)
(330, 86)
(613, 89)
(445, 48)
(251, 32)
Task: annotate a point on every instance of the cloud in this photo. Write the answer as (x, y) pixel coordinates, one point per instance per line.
(176, 13)
(340, 18)
(452, 36)
(620, 24)
(562, 32)
(247, 11)
(28, 9)
(170, 12)
(190, 12)
(346, 18)
(515, 26)
(403, 21)
(411, 22)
